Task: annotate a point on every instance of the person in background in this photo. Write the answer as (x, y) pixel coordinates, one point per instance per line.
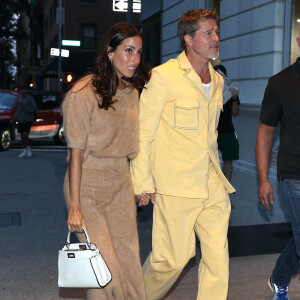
(178, 165)
(25, 116)
(227, 139)
(101, 126)
(281, 104)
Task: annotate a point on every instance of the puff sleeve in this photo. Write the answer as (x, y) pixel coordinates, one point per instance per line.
(77, 110)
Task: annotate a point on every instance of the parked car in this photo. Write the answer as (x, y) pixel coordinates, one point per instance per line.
(49, 122)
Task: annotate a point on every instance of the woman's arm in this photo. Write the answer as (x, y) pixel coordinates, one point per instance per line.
(235, 108)
(75, 217)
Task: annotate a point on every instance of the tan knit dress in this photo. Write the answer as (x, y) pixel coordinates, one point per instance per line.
(109, 139)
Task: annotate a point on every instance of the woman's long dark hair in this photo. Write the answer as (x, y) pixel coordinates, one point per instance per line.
(105, 79)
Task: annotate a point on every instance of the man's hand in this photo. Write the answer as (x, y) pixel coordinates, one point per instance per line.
(144, 198)
(265, 193)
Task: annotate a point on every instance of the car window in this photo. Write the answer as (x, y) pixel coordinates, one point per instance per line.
(51, 101)
(7, 101)
(47, 101)
(39, 101)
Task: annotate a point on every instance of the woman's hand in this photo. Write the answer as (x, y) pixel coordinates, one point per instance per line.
(76, 221)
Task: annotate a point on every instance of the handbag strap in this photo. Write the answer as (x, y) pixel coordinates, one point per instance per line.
(86, 236)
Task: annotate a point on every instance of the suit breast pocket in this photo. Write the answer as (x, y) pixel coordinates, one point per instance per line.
(186, 114)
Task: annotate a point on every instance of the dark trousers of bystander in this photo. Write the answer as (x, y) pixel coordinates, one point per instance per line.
(288, 262)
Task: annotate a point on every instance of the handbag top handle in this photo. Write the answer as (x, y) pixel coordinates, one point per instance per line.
(86, 236)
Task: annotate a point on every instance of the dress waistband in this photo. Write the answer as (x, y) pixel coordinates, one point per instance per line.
(104, 163)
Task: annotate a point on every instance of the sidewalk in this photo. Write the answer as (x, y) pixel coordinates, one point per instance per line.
(248, 280)
(28, 252)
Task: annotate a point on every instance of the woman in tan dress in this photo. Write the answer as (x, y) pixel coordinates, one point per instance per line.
(101, 126)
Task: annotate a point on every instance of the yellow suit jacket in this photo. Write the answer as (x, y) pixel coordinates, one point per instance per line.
(178, 132)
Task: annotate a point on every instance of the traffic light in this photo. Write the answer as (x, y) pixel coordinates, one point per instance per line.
(68, 77)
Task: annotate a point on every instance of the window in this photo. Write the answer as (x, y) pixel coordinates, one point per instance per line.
(295, 31)
(46, 100)
(152, 38)
(89, 37)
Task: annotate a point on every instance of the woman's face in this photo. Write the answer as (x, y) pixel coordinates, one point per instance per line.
(127, 56)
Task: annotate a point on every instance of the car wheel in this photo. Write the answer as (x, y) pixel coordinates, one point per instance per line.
(5, 139)
(59, 138)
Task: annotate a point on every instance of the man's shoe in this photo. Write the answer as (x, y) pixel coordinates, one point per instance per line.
(23, 153)
(279, 292)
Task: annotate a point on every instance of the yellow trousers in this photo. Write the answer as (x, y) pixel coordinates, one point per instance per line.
(175, 222)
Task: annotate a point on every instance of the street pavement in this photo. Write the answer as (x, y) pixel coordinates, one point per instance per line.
(31, 188)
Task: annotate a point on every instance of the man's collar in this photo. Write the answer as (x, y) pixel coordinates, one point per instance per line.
(191, 74)
(184, 63)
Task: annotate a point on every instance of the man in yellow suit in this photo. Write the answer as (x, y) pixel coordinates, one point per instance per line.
(178, 166)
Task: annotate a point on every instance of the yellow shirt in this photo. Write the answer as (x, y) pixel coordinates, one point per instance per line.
(178, 132)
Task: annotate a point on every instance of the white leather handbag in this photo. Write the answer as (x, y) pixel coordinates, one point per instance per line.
(80, 265)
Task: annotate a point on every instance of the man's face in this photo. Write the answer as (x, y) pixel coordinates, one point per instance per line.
(205, 42)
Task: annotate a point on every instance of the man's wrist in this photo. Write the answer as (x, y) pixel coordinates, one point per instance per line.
(263, 180)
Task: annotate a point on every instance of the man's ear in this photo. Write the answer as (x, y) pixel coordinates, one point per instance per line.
(298, 40)
(188, 39)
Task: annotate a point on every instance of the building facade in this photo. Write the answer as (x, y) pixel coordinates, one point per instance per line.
(258, 39)
(29, 46)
